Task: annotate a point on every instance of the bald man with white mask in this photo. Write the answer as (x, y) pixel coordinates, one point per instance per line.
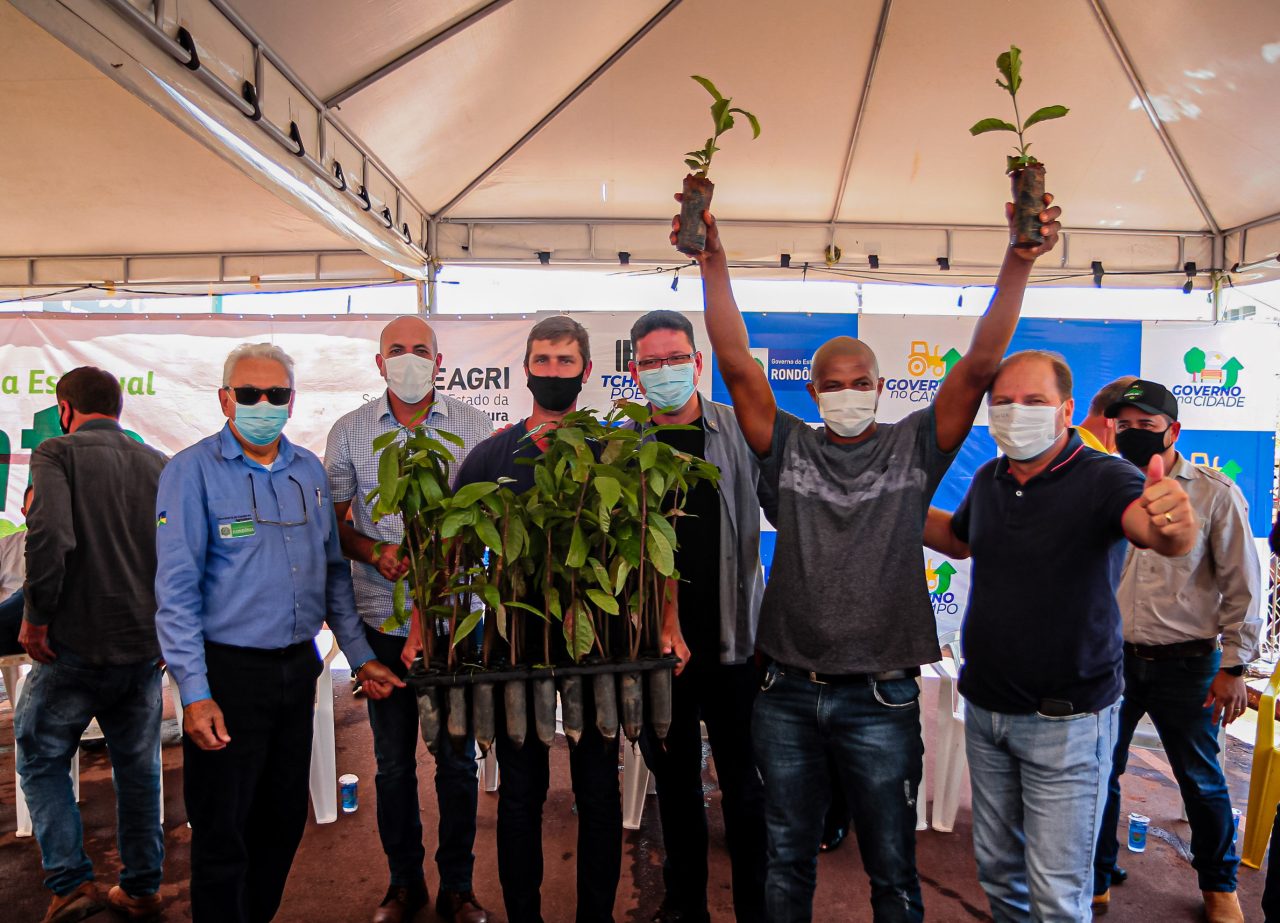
(846, 620)
(409, 360)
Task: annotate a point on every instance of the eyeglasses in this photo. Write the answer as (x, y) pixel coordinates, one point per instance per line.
(272, 522)
(648, 365)
(248, 394)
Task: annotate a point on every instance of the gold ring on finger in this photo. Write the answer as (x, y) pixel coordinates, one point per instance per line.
(1168, 517)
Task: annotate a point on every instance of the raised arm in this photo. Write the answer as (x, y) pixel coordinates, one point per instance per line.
(1162, 518)
(939, 536)
(753, 400)
(961, 393)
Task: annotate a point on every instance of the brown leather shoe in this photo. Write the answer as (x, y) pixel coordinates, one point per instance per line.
(1222, 907)
(147, 907)
(83, 902)
(460, 907)
(400, 905)
(1102, 903)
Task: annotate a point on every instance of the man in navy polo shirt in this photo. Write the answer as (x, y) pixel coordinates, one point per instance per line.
(1043, 671)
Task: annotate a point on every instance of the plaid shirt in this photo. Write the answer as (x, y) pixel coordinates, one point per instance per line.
(353, 473)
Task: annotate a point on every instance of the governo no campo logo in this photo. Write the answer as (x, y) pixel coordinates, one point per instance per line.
(927, 366)
(938, 579)
(1215, 380)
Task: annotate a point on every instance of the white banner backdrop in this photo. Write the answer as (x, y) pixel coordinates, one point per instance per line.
(1223, 375)
(611, 353)
(915, 353)
(171, 369)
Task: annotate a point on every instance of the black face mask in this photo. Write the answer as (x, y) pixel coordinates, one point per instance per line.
(1138, 445)
(64, 426)
(554, 394)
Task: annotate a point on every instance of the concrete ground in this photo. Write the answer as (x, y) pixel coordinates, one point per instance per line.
(340, 873)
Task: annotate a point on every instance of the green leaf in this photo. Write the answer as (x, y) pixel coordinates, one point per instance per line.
(488, 533)
(648, 455)
(553, 603)
(609, 490)
(489, 593)
(755, 122)
(544, 481)
(987, 125)
(661, 524)
(660, 552)
(388, 471)
(1044, 114)
(466, 626)
(601, 575)
(583, 635)
(1010, 66)
(693, 164)
(620, 569)
(385, 440)
(397, 597)
(454, 522)
(450, 437)
(468, 495)
(577, 549)
(720, 114)
(512, 604)
(708, 86)
(604, 601)
(517, 538)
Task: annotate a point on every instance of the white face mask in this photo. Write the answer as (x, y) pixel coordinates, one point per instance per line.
(848, 413)
(410, 377)
(1022, 432)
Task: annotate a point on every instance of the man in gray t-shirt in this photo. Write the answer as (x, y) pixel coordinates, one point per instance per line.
(846, 620)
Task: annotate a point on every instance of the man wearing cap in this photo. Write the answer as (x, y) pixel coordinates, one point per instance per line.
(1191, 624)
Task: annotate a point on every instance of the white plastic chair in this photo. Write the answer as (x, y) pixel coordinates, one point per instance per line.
(922, 801)
(15, 674)
(324, 764)
(951, 765)
(324, 754)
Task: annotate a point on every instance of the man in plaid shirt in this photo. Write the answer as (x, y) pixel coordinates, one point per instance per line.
(408, 358)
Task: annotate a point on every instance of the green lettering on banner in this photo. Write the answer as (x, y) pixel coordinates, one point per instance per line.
(44, 425)
(9, 384)
(4, 469)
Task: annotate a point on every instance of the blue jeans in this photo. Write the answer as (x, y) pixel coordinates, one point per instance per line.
(1039, 785)
(394, 721)
(1172, 692)
(57, 704)
(872, 733)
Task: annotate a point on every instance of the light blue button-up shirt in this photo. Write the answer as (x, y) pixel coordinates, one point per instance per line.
(247, 557)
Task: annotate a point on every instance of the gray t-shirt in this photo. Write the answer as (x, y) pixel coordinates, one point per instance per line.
(847, 591)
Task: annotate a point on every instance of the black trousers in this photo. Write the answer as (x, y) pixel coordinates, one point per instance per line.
(722, 696)
(524, 777)
(247, 803)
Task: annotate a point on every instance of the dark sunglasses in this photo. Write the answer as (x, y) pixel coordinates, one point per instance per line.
(248, 394)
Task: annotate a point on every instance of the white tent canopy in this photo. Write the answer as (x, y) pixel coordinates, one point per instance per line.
(489, 131)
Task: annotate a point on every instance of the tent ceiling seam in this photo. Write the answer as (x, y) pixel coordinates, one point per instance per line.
(415, 52)
(881, 27)
(561, 106)
(1126, 63)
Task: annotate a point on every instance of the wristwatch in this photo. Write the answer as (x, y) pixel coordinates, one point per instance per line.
(1237, 670)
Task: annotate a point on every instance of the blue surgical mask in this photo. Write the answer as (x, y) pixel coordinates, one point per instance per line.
(669, 387)
(261, 423)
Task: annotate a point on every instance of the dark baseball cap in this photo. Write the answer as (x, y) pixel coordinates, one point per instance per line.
(1149, 396)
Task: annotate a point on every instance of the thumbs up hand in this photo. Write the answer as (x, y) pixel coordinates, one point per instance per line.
(1168, 504)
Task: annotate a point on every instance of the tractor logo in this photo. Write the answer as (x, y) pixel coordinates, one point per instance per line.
(1215, 380)
(921, 362)
(1230, 468)
(926, 368)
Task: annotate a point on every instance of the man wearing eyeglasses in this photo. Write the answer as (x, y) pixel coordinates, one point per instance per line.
(249, 568)
(718, 607)
(408, 358)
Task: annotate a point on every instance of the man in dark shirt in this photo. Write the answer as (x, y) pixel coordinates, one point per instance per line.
(718, 603)
(90, 626)
(1043, 670)
(557, 362)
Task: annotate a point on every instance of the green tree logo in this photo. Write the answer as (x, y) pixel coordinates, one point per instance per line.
(1193, 360)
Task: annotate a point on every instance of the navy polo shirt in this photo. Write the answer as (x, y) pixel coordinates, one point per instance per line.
(1042, 621)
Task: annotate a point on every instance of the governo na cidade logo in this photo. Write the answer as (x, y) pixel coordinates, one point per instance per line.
(1214, 380)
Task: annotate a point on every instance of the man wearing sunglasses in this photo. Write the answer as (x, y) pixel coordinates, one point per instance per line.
(249, 568)
(408, 359)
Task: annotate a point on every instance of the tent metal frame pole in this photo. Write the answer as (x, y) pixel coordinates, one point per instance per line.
(417, 51)
(562, 105)
(876, 45)
(1255, 223)
(472, 223)
(1131, 71)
